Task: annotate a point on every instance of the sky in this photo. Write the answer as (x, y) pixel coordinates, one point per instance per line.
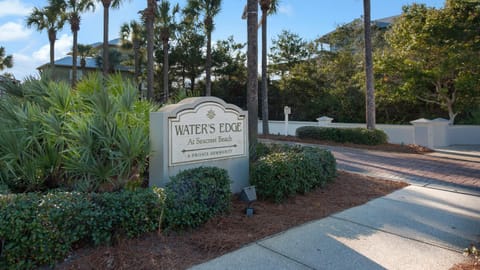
(307, 18)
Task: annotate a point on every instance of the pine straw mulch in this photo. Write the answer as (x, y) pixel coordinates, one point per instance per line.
(180, 250)
(387, 147)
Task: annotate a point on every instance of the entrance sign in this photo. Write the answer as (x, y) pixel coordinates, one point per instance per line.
(202, 131)
(207, 132)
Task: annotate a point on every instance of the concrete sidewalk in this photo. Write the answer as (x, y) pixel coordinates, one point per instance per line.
(413, 228)
(423, 226)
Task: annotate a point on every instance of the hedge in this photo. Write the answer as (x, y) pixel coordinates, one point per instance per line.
(40, 229)
(290, 170)
(196, 195)
(343, 135)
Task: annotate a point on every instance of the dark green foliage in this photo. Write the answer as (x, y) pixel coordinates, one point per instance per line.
(196, 195)
(343, 135)
(40, 229)
(286, 171)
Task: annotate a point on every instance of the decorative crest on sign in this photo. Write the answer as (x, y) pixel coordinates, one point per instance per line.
(210, 114)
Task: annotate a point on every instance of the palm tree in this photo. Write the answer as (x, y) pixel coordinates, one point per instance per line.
(115, 57)
(252, 65)
(106, 11)
(268, 7)
(149, 17)
(72, 9)
(167, 26)
(370, 93)
(84, 51)
(5, 61)
(48, 18)
(133, 37)
(209, 8)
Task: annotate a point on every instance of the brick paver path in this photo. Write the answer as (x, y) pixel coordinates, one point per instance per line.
(435, 172)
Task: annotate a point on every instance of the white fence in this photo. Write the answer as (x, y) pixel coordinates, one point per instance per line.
(429, 133)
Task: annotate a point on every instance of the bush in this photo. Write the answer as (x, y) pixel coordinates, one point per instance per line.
(283, 173)
(343, 135)
(196, 195)
(92, 139)
(40, 229)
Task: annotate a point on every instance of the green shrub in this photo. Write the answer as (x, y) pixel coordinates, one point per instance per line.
(196, 195)
(283, 173)
(343, 135)
(40, 229)
(92, 139)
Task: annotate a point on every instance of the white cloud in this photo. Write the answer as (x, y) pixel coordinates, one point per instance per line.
(25, 65)
(13, 7)
(63, 45)
(11, 31)
(285, 9)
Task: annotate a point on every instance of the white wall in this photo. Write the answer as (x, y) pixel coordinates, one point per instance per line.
(457, 134)
(463, 134)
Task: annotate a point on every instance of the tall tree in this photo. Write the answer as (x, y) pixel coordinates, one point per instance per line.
(107, 4)
(149, 17)
(228, 60)
(51, 19)
(6, 61)
(167, 25)
(73, 9)
(209, 9)
(133, 37)
(287, 50)
(434, 55)
(252, 66)
(370, 93)
(268, 7)
(188, 55)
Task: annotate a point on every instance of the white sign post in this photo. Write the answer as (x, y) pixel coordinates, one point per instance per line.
(286, 111)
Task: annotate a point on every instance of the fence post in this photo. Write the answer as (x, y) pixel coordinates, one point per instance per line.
(422, 132)
(324, 121)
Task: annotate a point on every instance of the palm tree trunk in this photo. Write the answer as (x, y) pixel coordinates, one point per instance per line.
(136, 56)
(149, 21)
(370, 93)
(52, 36)
(252, 66)
(106, 9)
(208, 65)
(265, 128)
(165, 69)
(74, 58)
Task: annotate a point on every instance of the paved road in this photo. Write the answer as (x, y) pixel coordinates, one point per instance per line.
(448, 172)
(423, 226)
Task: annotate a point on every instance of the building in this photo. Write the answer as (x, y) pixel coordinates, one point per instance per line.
(85, 65)
(351, 32)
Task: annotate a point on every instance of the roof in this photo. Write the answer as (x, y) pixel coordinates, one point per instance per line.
(90, 63)
(380, 23)
(385, 22)
(114, 43)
